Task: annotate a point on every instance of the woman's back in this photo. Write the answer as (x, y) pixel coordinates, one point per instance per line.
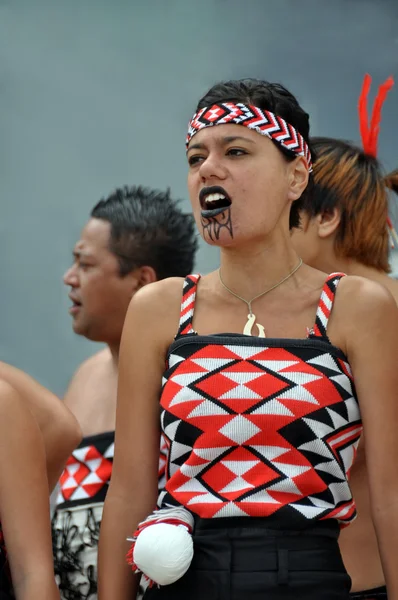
(364, 565)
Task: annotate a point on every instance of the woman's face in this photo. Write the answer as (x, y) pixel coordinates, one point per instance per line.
(240, 185)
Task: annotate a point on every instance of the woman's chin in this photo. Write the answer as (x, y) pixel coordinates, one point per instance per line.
(223, 241)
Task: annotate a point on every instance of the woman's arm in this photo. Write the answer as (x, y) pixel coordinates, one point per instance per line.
(24, 502)
(149, 328)
(372, 348)
(59, 428)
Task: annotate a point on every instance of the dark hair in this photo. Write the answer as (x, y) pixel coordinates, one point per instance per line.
(275, 98)
(148, 228)
(352, 181)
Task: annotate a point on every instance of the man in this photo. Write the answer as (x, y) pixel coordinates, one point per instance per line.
(134, 237)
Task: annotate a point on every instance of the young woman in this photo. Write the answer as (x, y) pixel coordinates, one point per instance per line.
(258, 400)
(27, 570)
(344, 228)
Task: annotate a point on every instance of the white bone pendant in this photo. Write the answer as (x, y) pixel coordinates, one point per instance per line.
(251, 320)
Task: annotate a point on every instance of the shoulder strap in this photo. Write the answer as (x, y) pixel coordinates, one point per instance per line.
(188, 305)
(325, 305)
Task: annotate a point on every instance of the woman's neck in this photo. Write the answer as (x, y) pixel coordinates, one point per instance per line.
(248, 271)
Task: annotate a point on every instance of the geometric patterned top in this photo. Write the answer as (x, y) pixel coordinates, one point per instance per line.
(88, 470)
(87, 473)
(259, 426)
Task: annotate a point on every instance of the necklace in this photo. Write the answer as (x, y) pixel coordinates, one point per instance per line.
(251, 317)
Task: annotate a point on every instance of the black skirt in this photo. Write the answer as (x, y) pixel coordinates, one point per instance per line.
(379, 593)
(241, 559)
(6, 591)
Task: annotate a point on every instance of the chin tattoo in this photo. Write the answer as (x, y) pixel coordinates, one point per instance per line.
(213, 225)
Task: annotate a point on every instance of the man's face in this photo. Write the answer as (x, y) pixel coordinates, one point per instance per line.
(99, 294)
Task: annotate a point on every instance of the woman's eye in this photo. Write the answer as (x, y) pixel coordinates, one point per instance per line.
(236, 152)
(83, 265)
(194, 160)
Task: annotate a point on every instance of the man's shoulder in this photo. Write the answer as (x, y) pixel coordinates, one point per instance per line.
(99, 359)
(87, 370)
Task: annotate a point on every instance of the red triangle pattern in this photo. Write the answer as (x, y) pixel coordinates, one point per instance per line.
(257, 424)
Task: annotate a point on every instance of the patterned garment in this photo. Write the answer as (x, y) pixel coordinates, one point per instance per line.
(260, 427)
(87, 472)
(77, 518)
(255, 118)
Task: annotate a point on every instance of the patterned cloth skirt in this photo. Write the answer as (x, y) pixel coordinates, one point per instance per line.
(241, 558)
(75, 532)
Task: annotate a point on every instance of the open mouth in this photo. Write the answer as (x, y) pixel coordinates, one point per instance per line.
(75, 304)
(214, 200)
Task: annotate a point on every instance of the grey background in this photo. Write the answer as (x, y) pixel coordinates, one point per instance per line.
(95, 94)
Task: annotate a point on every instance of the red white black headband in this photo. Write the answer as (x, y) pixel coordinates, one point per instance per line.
(252, 117)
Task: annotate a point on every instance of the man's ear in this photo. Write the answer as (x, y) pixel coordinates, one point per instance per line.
(328, 222)
(143, 276)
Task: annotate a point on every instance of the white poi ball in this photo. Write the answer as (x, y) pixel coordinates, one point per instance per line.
(163, 552)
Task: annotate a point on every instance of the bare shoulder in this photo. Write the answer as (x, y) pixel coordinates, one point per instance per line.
(13, 375)
(8, 394)
(392, 285)
(363, 308)
(158, 304)
(11, 405)
(153, 315)
(362, 295)
(89, 372)
(161, 295)
(97, 360)
(22, 382)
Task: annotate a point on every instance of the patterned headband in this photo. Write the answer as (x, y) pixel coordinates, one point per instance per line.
(252, 117)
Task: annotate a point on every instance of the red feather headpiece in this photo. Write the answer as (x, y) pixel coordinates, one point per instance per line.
(370, 132)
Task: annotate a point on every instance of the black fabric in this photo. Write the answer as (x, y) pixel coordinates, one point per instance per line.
(379, 593)
(6, 591)
(254, 563)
